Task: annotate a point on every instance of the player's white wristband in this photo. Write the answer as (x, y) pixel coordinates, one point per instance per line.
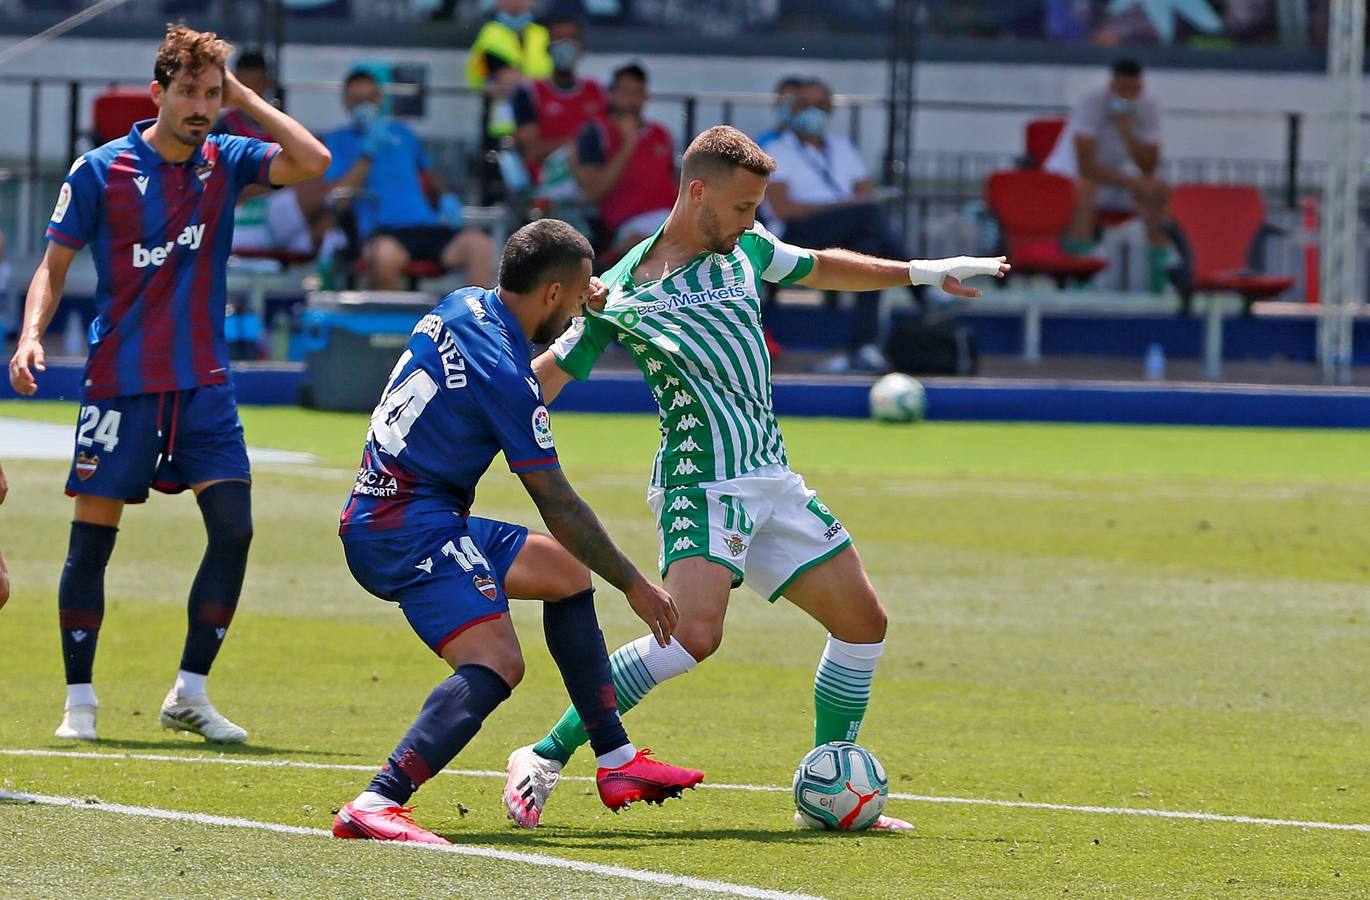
(933, 271)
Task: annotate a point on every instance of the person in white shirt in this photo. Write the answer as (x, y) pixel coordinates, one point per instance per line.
(1111, 147)
(822, 196)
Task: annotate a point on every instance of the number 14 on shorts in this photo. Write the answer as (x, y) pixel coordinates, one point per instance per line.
(468, 555)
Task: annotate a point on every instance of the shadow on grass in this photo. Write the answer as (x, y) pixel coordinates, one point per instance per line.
(623, 839)
(170, 743)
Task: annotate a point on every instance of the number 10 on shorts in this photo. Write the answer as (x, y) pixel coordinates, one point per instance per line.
(468, 556)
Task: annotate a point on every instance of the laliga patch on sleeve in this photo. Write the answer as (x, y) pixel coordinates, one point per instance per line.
(59, 212)
(542, 428)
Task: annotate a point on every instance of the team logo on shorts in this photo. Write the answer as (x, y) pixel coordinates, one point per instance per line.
(487, 587)
(86, 465)
(735, 544)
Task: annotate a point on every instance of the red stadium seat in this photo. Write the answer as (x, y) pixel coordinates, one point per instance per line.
(117, 109)
(1040, 139)
(1033, 208)
(1219, 225)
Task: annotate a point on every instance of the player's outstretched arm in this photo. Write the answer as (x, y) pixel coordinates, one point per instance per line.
(574, 524)
(302, 155)
(845, 270)
(551, 376)
(45, 292)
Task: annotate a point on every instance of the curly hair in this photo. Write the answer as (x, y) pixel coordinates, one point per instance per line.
(187, 50)
(720, 150)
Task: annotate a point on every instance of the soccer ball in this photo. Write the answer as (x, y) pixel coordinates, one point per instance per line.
(840, 786)
(898, 398)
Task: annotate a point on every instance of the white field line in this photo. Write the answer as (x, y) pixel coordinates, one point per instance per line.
(532, 859)
(754, 788)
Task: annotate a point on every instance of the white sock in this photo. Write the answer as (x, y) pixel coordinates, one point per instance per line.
(81, 695)
(615, 758)
(861, 657)
(373, 802)
(188, 684)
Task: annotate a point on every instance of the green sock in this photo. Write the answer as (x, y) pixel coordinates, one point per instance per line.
(637, 667)
(842, 689)
(1156, 268)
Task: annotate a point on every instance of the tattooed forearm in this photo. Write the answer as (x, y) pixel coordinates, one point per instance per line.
(576, 527)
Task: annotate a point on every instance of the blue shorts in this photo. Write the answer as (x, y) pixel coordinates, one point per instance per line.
(445, 579)
(169, 441)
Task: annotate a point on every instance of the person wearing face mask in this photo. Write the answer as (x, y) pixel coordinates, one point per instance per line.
(383, 163)
(822, 196)
(1111, 148)
(550, 112)
(507, 49)
(785, 92)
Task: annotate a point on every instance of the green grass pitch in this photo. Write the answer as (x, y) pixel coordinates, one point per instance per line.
(1149, 618)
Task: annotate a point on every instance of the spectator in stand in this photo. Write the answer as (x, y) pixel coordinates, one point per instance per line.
(382, 161)
(507, 49)
(626, 164)
(550, 112)
(291, 219)
(785, 91)
(1111, 147)
(823, 196)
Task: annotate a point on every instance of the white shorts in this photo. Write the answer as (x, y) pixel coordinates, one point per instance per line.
(272, 222)
(766, 526)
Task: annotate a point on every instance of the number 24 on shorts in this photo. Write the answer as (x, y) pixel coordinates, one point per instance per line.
(106, 428)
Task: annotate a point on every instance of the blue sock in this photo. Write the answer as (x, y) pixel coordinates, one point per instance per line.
(227, 510)
(450, 717)
(577, 646)
(81, 597)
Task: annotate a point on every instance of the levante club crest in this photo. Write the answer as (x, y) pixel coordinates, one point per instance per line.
(487, 587)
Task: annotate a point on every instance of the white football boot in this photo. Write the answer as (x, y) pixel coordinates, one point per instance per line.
(198, 716)
(78, 724)
(530, 779)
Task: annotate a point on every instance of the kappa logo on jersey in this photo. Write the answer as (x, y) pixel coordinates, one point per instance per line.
(542, 428)
(672, 381)
(681, 398)
(689, 445)
(681, 502)
(86, 465)
(141, 184)
(59, 212)
(680, 524)
(686, 467)
(653, 366)
(683, 543)
(486, 586)
(189, 238)
(688, 422)
(638, 348)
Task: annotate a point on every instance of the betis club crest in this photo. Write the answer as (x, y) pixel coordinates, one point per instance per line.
(487, 587)
(735, 544)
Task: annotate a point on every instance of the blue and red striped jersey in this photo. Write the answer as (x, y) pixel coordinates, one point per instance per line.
(462, 392)
(160, 234)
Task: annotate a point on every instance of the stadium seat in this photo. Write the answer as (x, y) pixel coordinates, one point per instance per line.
(1040, 139)
(1218, 228)
(117, 109)
(1033, 208)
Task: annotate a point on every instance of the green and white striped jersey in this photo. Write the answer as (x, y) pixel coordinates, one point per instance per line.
(696, 335)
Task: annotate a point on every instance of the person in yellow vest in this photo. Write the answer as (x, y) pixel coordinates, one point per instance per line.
(507, 49)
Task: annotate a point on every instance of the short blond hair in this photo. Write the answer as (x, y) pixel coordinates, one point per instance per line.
(721, 150)
(186, 50)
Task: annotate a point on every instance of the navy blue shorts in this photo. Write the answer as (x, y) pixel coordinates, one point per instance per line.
(444, 579)
(169, 441)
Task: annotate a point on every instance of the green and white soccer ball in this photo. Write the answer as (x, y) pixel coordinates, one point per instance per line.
(898, 398)
(840, 786)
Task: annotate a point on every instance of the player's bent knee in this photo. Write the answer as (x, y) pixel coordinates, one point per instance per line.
(700, 640)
